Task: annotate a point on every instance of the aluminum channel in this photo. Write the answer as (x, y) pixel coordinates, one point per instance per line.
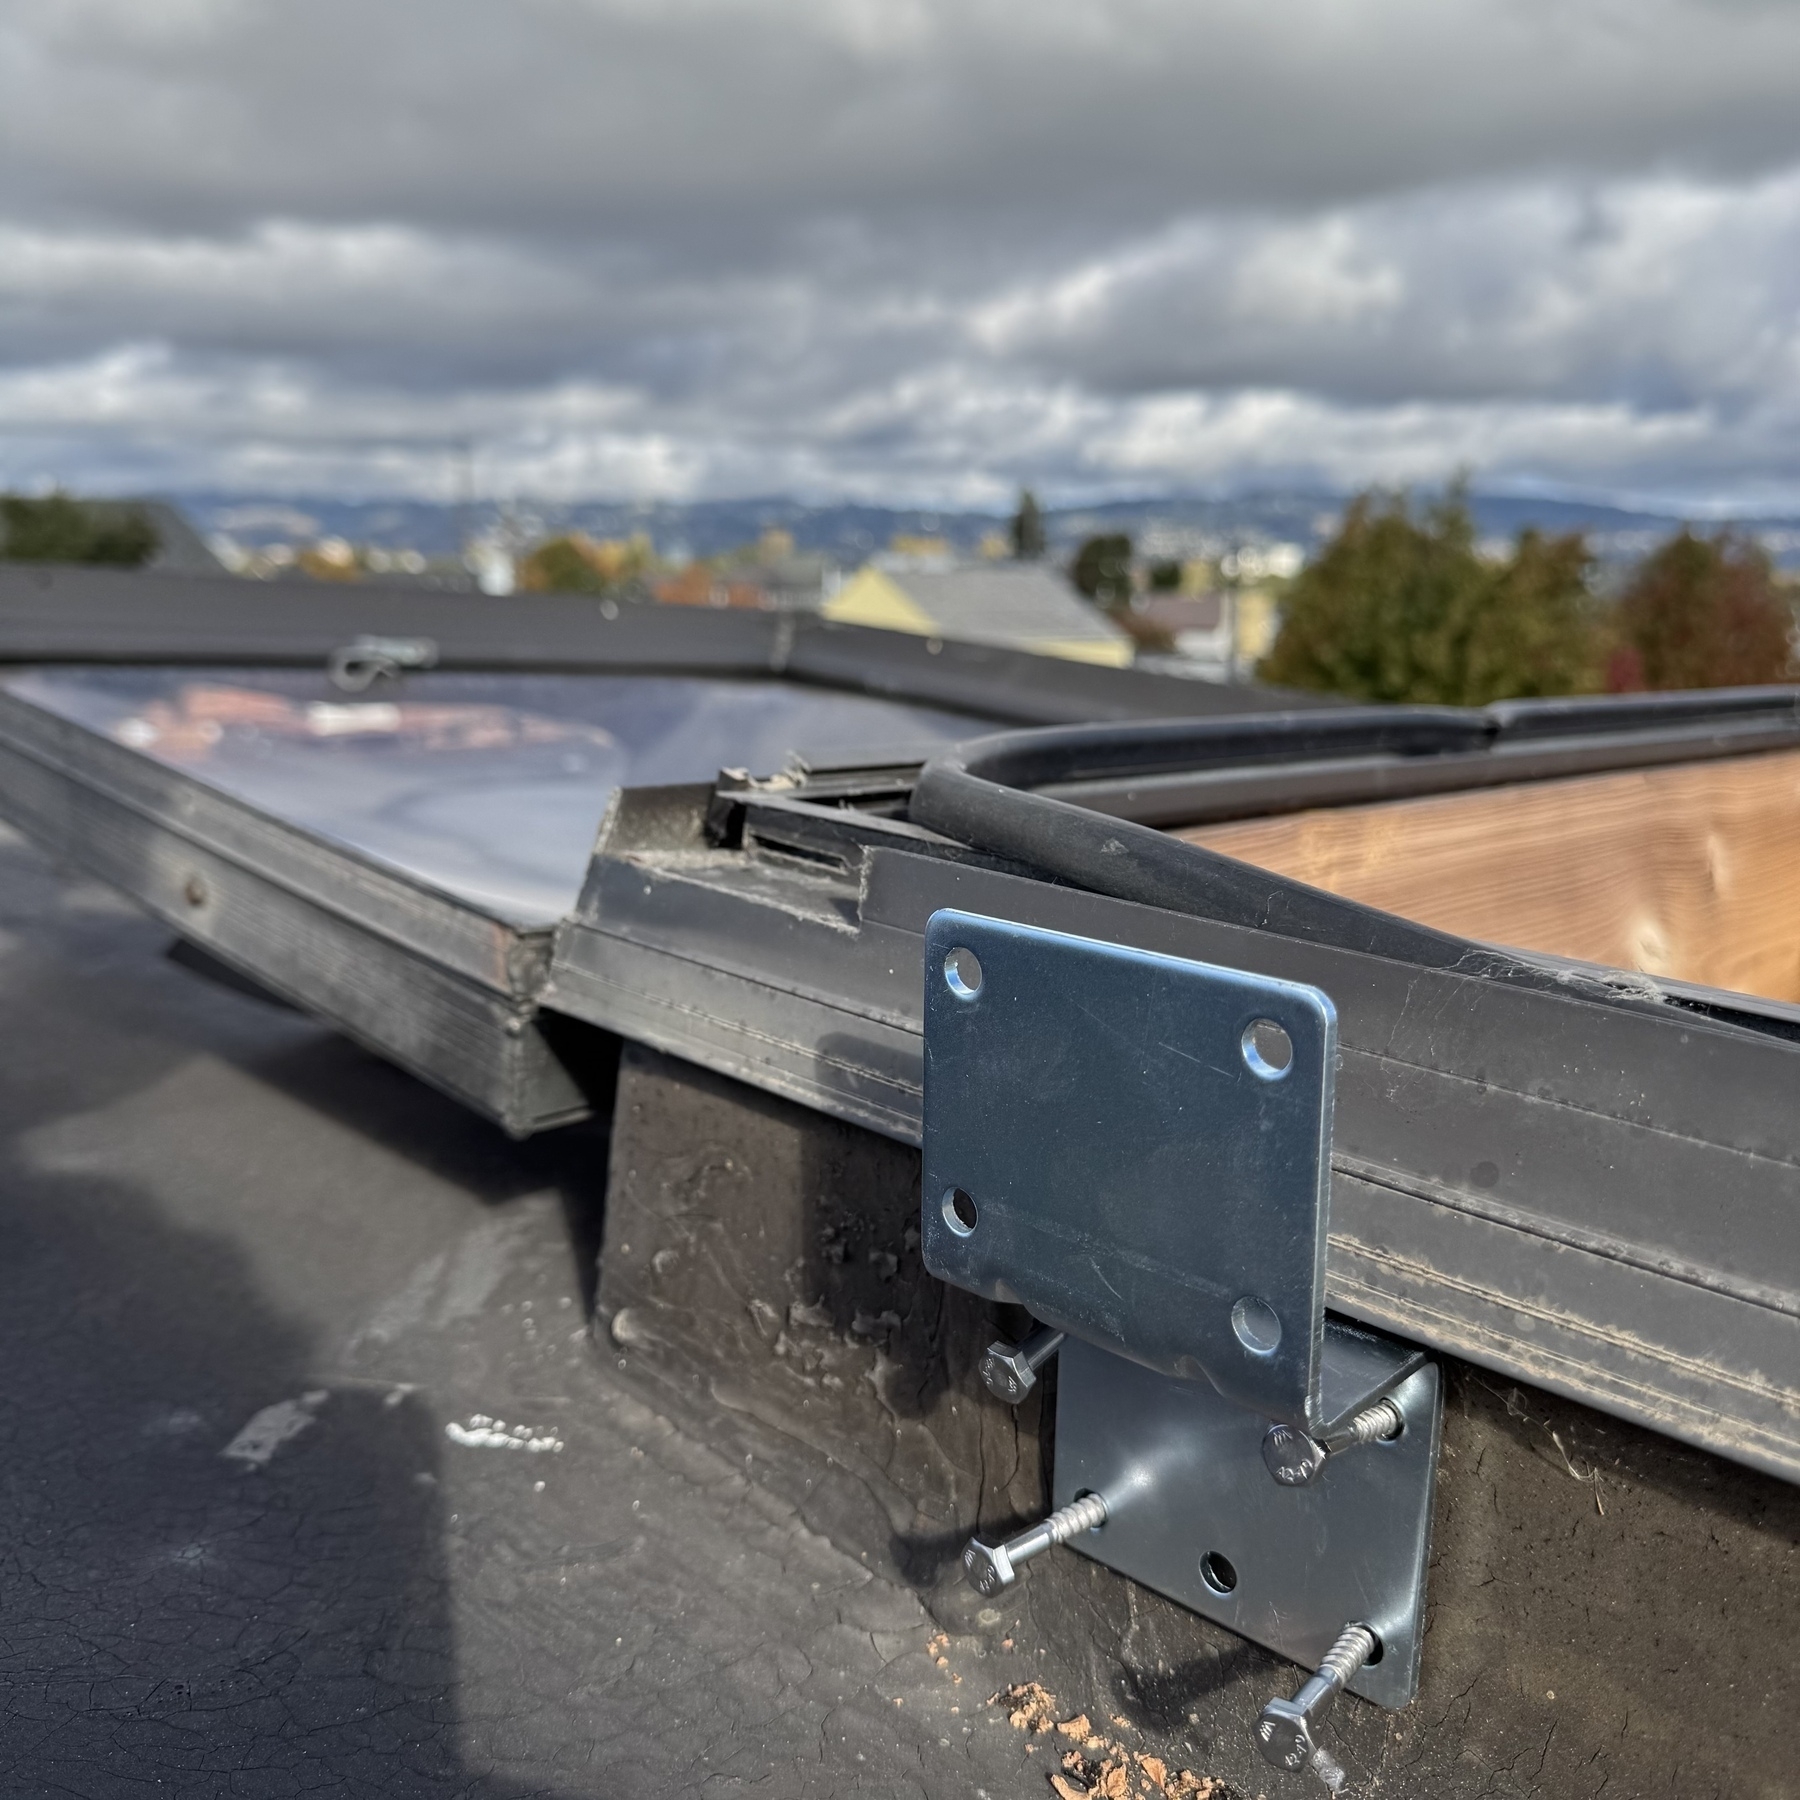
(396, 863)
(382, 948)
(1516, 1164)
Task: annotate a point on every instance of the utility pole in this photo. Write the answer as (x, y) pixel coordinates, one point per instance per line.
(462, 484)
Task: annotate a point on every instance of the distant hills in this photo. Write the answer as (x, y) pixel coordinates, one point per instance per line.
(850, 532)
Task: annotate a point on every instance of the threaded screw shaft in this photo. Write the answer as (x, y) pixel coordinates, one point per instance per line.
(1355, 1645)
(1078, 1516)
(1373, 1425)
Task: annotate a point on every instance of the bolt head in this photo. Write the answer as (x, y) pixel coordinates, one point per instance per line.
(1291, 1456)
(987, 1567)
(1006, 1374)
(1284, 1736)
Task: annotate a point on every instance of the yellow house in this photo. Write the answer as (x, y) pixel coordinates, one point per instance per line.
(1023, 606)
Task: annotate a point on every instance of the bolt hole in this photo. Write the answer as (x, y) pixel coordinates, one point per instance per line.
(1088, 1494)
(959, 1212)
(1257, 1325)
(1374, 1655)
(1217, 1572)
(962, 972)
(1268, 1050)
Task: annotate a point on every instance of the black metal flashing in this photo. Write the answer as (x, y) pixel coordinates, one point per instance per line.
(68, 615)
(1521, 1139)
(439, 987)
(447, 990)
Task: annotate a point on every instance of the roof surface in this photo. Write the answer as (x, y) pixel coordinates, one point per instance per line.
(281, 1326)
(1025, 605)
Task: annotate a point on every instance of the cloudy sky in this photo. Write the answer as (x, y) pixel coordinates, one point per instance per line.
(906, 250)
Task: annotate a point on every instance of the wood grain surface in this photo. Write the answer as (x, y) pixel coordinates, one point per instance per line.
(1691, 872)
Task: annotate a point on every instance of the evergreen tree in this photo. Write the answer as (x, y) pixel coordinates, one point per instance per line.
(1702, 612)
(560, 567)
(1102, 569)
(1028, 528)
(1400, 608)
(61, 530)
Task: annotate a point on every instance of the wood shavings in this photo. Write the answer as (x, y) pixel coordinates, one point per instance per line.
(1100, 1769)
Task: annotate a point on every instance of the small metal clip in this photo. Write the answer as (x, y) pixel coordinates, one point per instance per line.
(357, 666)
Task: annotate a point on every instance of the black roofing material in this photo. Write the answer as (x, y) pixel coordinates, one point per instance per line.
(448, 990)
(99, 615)
(1609, 1610)
(1518, 1158)
(210, 1208)
(445, 989)
(1520, 1141)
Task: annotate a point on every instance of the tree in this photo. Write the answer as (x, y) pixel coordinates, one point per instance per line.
(578, 564)
(1028, 528)
(1402, 609)
(561, 566)
(1702, 612)
(1102, 569)
(59, 529)
(1536, 633)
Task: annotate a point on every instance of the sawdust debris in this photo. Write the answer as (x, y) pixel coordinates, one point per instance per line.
(1100, 1769)
(1030, 1706)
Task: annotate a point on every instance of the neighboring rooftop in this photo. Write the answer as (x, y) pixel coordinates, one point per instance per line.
(62, 528)
(1025, 606)
(180, 549)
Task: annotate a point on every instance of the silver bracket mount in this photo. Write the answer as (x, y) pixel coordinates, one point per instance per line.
(1136, 1148)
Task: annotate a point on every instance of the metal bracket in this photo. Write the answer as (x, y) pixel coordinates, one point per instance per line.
(1137, 1148)
(1193, 1513)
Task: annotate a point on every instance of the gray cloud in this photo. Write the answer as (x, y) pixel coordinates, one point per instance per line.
(900, 247)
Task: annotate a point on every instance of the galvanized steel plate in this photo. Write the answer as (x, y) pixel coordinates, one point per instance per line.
(1195, 1514)
(1118, 1141)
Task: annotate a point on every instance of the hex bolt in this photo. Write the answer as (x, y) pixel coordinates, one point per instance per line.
(1294, 1458)
(1009, 1371)
(991, 1567)
(1284, 1732)
(1291, 1456)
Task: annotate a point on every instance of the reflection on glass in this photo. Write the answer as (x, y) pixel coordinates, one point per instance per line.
(490, 787)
